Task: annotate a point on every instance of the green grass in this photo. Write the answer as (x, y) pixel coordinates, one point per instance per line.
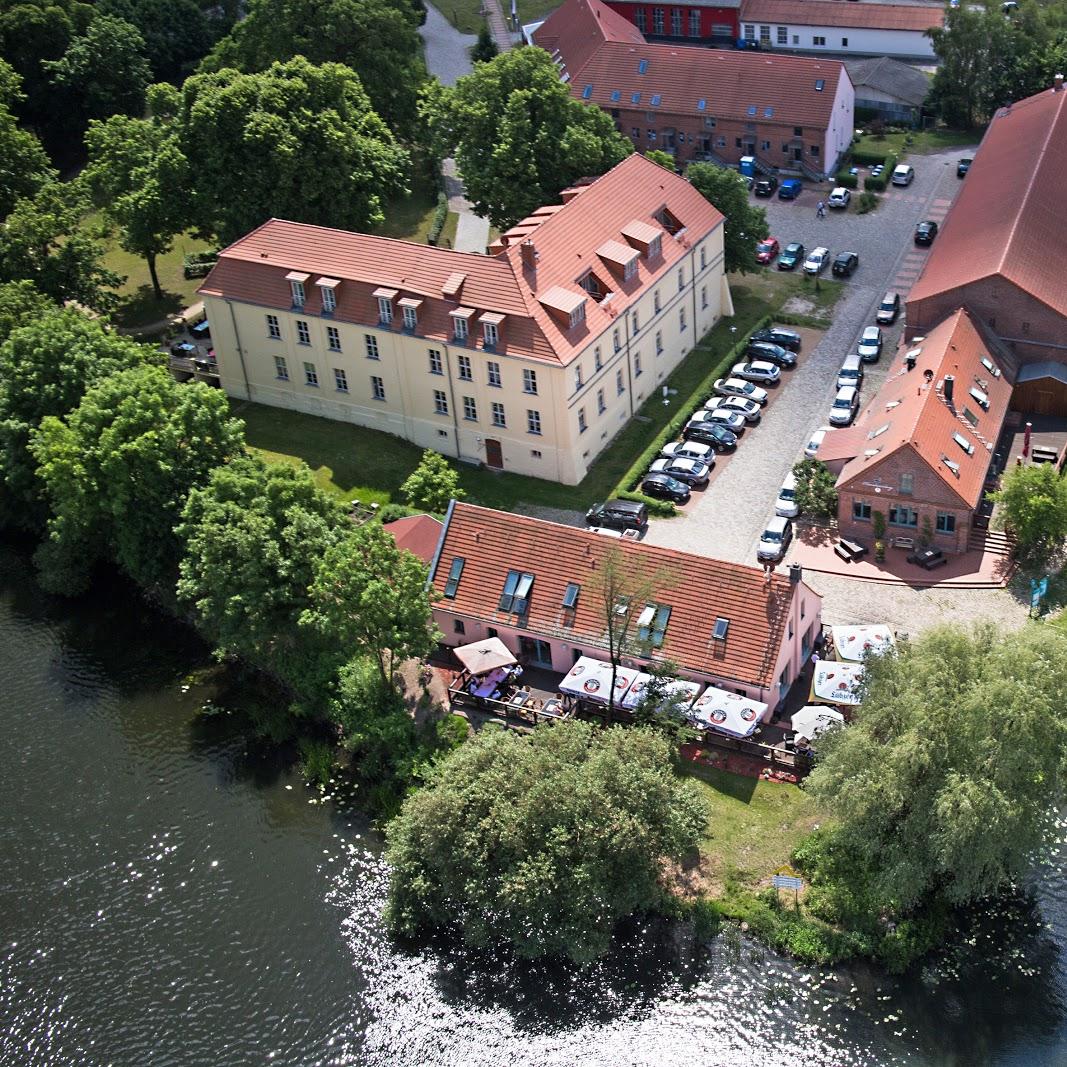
(466, 15)
(923, 142)
(408, 218)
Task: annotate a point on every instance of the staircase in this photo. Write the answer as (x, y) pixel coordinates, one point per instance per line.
(993, 541)
(809, 172)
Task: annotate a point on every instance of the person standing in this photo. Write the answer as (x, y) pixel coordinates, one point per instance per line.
(820, 210)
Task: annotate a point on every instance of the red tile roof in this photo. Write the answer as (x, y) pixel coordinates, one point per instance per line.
(698, 590)
(835, 13)
(907, 413)
(1009, 219)
(730, 83)
(578, 28)
(253, 269)
(417, 534)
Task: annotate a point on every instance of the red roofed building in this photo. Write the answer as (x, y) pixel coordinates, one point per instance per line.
(766, 625)
(1002, 251)
(922, 450)
(529, 360)
(793, 114)
(417, 534)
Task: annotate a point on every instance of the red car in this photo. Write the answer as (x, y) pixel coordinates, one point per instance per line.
(767, 250)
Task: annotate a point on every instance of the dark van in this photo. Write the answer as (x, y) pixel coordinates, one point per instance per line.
(790, 189)
(618, 515)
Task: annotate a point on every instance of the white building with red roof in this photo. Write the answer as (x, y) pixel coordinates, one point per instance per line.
(528, 360)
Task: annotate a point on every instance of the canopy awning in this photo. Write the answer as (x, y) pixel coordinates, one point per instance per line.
(836, 683)
(685, 691)
(813, 719)
(852, 643)
(729, 713)
(590, 679)
(485, 656)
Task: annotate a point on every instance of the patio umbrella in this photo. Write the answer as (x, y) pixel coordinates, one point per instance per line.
(852, 643)
(590, 679)
(813, 719)
(836, 683)
(481, 657)
(729, 713)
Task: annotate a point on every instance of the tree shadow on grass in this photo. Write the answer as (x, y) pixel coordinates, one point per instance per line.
(141, 308)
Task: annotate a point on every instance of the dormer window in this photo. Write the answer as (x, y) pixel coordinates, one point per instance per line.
(577, 315)
(516, 596)
(490, 321)
(385, 298)
(328, 294)
(967, 446)
(630, 270)
(409, 308)
(655, 247)
(296, 280)
(461, 324)
(981, 398)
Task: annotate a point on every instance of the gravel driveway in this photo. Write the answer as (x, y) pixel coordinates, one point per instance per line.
(726, 520)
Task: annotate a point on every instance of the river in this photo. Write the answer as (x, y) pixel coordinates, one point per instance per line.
(171, 894)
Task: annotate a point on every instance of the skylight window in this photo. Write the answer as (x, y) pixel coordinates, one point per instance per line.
(515, 598)
(656, 99)
(587, 92)
(752, 110)
(952, 465)
(635, 98)
(820, 85)
(878, 433)
(768, 112)
(453, 577)
(652, 624)
(990, 366)
(721, 626)
(967, 446)
(570, 597)
(980, 397)
(642, 66)
(702, 105)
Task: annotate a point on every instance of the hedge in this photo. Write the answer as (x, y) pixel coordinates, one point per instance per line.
(663, 508)
(440, 217)
(673, 429)
(846, 180)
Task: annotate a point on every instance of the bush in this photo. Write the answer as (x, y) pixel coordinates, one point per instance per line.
(846, 180)
(392, 512)
(440, 217)
(866, 202)
(868, 155)
(316, 761)
(664, 509)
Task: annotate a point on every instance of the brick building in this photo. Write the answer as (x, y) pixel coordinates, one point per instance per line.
(1002, 251)
(921, 452)
(690, 20)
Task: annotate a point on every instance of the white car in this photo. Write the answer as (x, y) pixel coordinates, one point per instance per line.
(748, 409)
(775, 539)
(870, 346)
(845, 406)
(786, 504)
(690, 471)
(811, 449)
(817, 260)
(839, 197)
(688, 450)
(758, 370)
(736, 387)
(719, 418)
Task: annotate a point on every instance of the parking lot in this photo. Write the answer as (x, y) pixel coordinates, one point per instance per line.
(726, 519)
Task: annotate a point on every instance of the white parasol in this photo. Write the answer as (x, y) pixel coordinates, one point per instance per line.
(836, 683)
(729, 713)
(852, 643)
(590, 679)
(813, 719)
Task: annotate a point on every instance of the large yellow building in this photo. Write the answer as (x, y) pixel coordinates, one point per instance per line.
(529, 359)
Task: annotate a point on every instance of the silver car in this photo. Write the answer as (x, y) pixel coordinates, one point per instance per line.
(845, 406)
(817, 260)
(687, 450)
(749, 410)
(758, 370)
(811, 449)
(736, 387)
(870, 346)
(720, 418)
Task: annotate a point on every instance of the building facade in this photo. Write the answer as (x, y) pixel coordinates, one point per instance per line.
(534, 584)
(529, 360)
(890, 89)
(684, 20)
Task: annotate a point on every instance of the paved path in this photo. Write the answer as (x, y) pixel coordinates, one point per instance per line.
(447, 50)
(498, 27)
(472, 231)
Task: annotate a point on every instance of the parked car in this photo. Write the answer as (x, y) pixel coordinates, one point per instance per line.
(845, 264)
(903, 174)
(775, 539)
(687, 450)
(767, 250)
(715, 434)
(962, 167)
(775, 335)
(838, 197)
(618, 515)
(876, 170)
(845, 405)
(816, 262)
(786, 504)
(729, 419)
(790, 189)
(757, 370)
(749, 410)
(925, 232)
(851, 372)
(691, 471)
(870, 346)
(888, 309)
(765, 186)
(791, 256)
(737, 387)
(665, 487)
(811, 449)
(772, 353)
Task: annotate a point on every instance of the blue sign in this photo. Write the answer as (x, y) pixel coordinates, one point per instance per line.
(787, 881)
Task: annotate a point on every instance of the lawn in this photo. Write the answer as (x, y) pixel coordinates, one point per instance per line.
(923, 142)
(409, 218)
(466, 15)
(753, 826)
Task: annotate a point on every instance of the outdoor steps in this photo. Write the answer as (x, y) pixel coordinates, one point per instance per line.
(992, 541)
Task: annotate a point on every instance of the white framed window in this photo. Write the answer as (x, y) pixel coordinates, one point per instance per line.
(459, 328)
(281, 369)
(582, 426)
(783, 34)
(655, 302)
(907, 484)
(681, 278)
(620, 384)
(533, 422)
(436, 365)
(333, 338)
(818, 41)
(311, 375)
(372, 345)
(597, 361)
(465, 373)
(377, 387)
(440, 402)
(601, 406)
(490, 334)
(340, 379)
(659, 343)
(329, 298)
(577, 315)
(274, 330)
(411, 318)
(493, 370)
(703, 296)
(681, 319)
(385, 310)
(529, 382)
(630, 269)
(655, 246)
(637, 364)
(470, 409)
(498, 415)
(303, 334)
(578, 381)
(616, 343)
(298, 293)
(636, 323)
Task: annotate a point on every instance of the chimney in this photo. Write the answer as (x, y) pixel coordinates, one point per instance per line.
(796, 572)
(529, 255)
(1057, 83)
(950, 381)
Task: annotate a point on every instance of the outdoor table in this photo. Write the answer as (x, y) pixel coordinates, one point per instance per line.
(518, 699)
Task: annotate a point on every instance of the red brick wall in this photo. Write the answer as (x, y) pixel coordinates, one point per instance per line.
(709, 16)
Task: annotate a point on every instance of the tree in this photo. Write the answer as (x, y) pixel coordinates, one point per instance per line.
(745, 225)
(103, 72)
(663, 705)
(117, 470)
(46, 243)
(664, 159)
(140, 178)
(24, 165)
(295, 141)
(46, 367)
(484, 49)
(1033, 506)
(543, 842)
(253, 537)
(816, 492)
(20, 303)
(375, 38)
(177, 33)
(942, 785)
(369, 599)
(518, 136)
(432, 484)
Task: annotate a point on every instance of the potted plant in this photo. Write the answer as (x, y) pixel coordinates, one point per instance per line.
(878, 521)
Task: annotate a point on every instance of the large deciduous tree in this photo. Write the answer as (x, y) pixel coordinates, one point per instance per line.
(518, 136)
(1033, 506)
(295, 141)
(816, 491)
(942, 786)
(542, 842)
(24, 165)
(745, 225)
(118, 469)
(177, 33)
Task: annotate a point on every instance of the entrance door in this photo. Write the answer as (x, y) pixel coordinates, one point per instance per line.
(798, 153)
(536, 652)
(494, 456)
(1044, 402)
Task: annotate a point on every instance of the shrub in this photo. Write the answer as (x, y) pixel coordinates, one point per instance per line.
(392, 512)
(316, 761)
(440, 217)
(664, 509)
(876, 185)
(846, 180)
(866, 202)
